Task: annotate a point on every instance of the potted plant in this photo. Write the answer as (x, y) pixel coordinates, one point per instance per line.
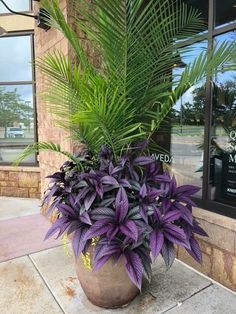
(120, 206)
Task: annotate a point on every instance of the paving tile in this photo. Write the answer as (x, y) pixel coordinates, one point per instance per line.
(175, 285)
(23, 235)
(58, 271)
(212, 300)
(22, 290)
(166, 290)
(11, 207)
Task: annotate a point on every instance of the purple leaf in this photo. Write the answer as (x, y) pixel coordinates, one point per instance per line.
(97, 229)
(187, 190)
(142, 161)
(168, 253)
(103, 213)
(122, 204)
(144, 255)
(130, 229)
(175, 231)
(60, 225)
(143, 212)
(109, 180)
(186, 213)
(195, 250)
(143, 191)
(65, 209)
(101, 262)
(111, 233)
(50, 194)
(197, 229)
(165, 205)
(156, 242)
(107, 202)
(164, 178)
(83, 192)
(172, 186)
(171, 216)
(125, 183)
(185, 199)
(79, 241)
(89, 200)
(133, 266)
(116, 170)
(85, 218)
(175, 240)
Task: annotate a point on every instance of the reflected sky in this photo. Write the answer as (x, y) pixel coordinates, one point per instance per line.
(15, 5)
(229, 75)
(188, 56)
(15, 59)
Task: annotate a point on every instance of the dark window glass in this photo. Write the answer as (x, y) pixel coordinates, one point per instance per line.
(225, 12)
(15, 5)
(187, 134)
(201, 5)
(16, 121)
(223, 135)
(15, 59)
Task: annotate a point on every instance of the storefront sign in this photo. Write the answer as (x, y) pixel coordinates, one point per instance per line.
(229, 169)
(163, 158)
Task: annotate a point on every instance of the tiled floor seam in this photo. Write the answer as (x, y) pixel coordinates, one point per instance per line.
(28, 254)
(184, 300)
(44, 281)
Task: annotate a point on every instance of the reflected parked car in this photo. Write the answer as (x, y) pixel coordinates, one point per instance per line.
(14, 132)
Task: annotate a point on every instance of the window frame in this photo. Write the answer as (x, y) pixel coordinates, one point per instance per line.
(33, 84)
(205, 201)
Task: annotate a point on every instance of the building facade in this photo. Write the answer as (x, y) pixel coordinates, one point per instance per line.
(202, 132)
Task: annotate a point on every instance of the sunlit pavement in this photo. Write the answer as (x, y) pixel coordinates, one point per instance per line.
(36, 278)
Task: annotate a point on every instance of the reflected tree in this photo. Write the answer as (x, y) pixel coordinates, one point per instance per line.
(13, 110)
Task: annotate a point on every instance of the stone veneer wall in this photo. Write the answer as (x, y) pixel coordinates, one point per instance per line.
(218, 250)
(20, 182)
(49, 42)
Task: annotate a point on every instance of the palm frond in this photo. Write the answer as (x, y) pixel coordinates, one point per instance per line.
(43, 146)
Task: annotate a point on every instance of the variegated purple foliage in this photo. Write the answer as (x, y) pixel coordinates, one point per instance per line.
(132, 206)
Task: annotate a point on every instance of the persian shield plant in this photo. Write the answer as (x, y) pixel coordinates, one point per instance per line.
(115, 192)
(132, 207)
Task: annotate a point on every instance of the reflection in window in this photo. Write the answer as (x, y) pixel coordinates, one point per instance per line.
(15, 5)
(16, 121)
(223, 135)
(16, 98)
(188, 126)
(225, 12)
(15, 59)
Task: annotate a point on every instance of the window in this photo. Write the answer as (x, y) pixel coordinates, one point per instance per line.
(16, 97)
(202, 135)
(223, 134)
(16, 5)
(187, 133)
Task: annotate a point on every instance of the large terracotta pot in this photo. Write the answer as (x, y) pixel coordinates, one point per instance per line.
(109, 287)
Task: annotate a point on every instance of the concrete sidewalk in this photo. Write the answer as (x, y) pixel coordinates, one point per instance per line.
(45, 282)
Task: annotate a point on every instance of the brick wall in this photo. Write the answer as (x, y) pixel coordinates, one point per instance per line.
(20, 182)
(218, 250)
